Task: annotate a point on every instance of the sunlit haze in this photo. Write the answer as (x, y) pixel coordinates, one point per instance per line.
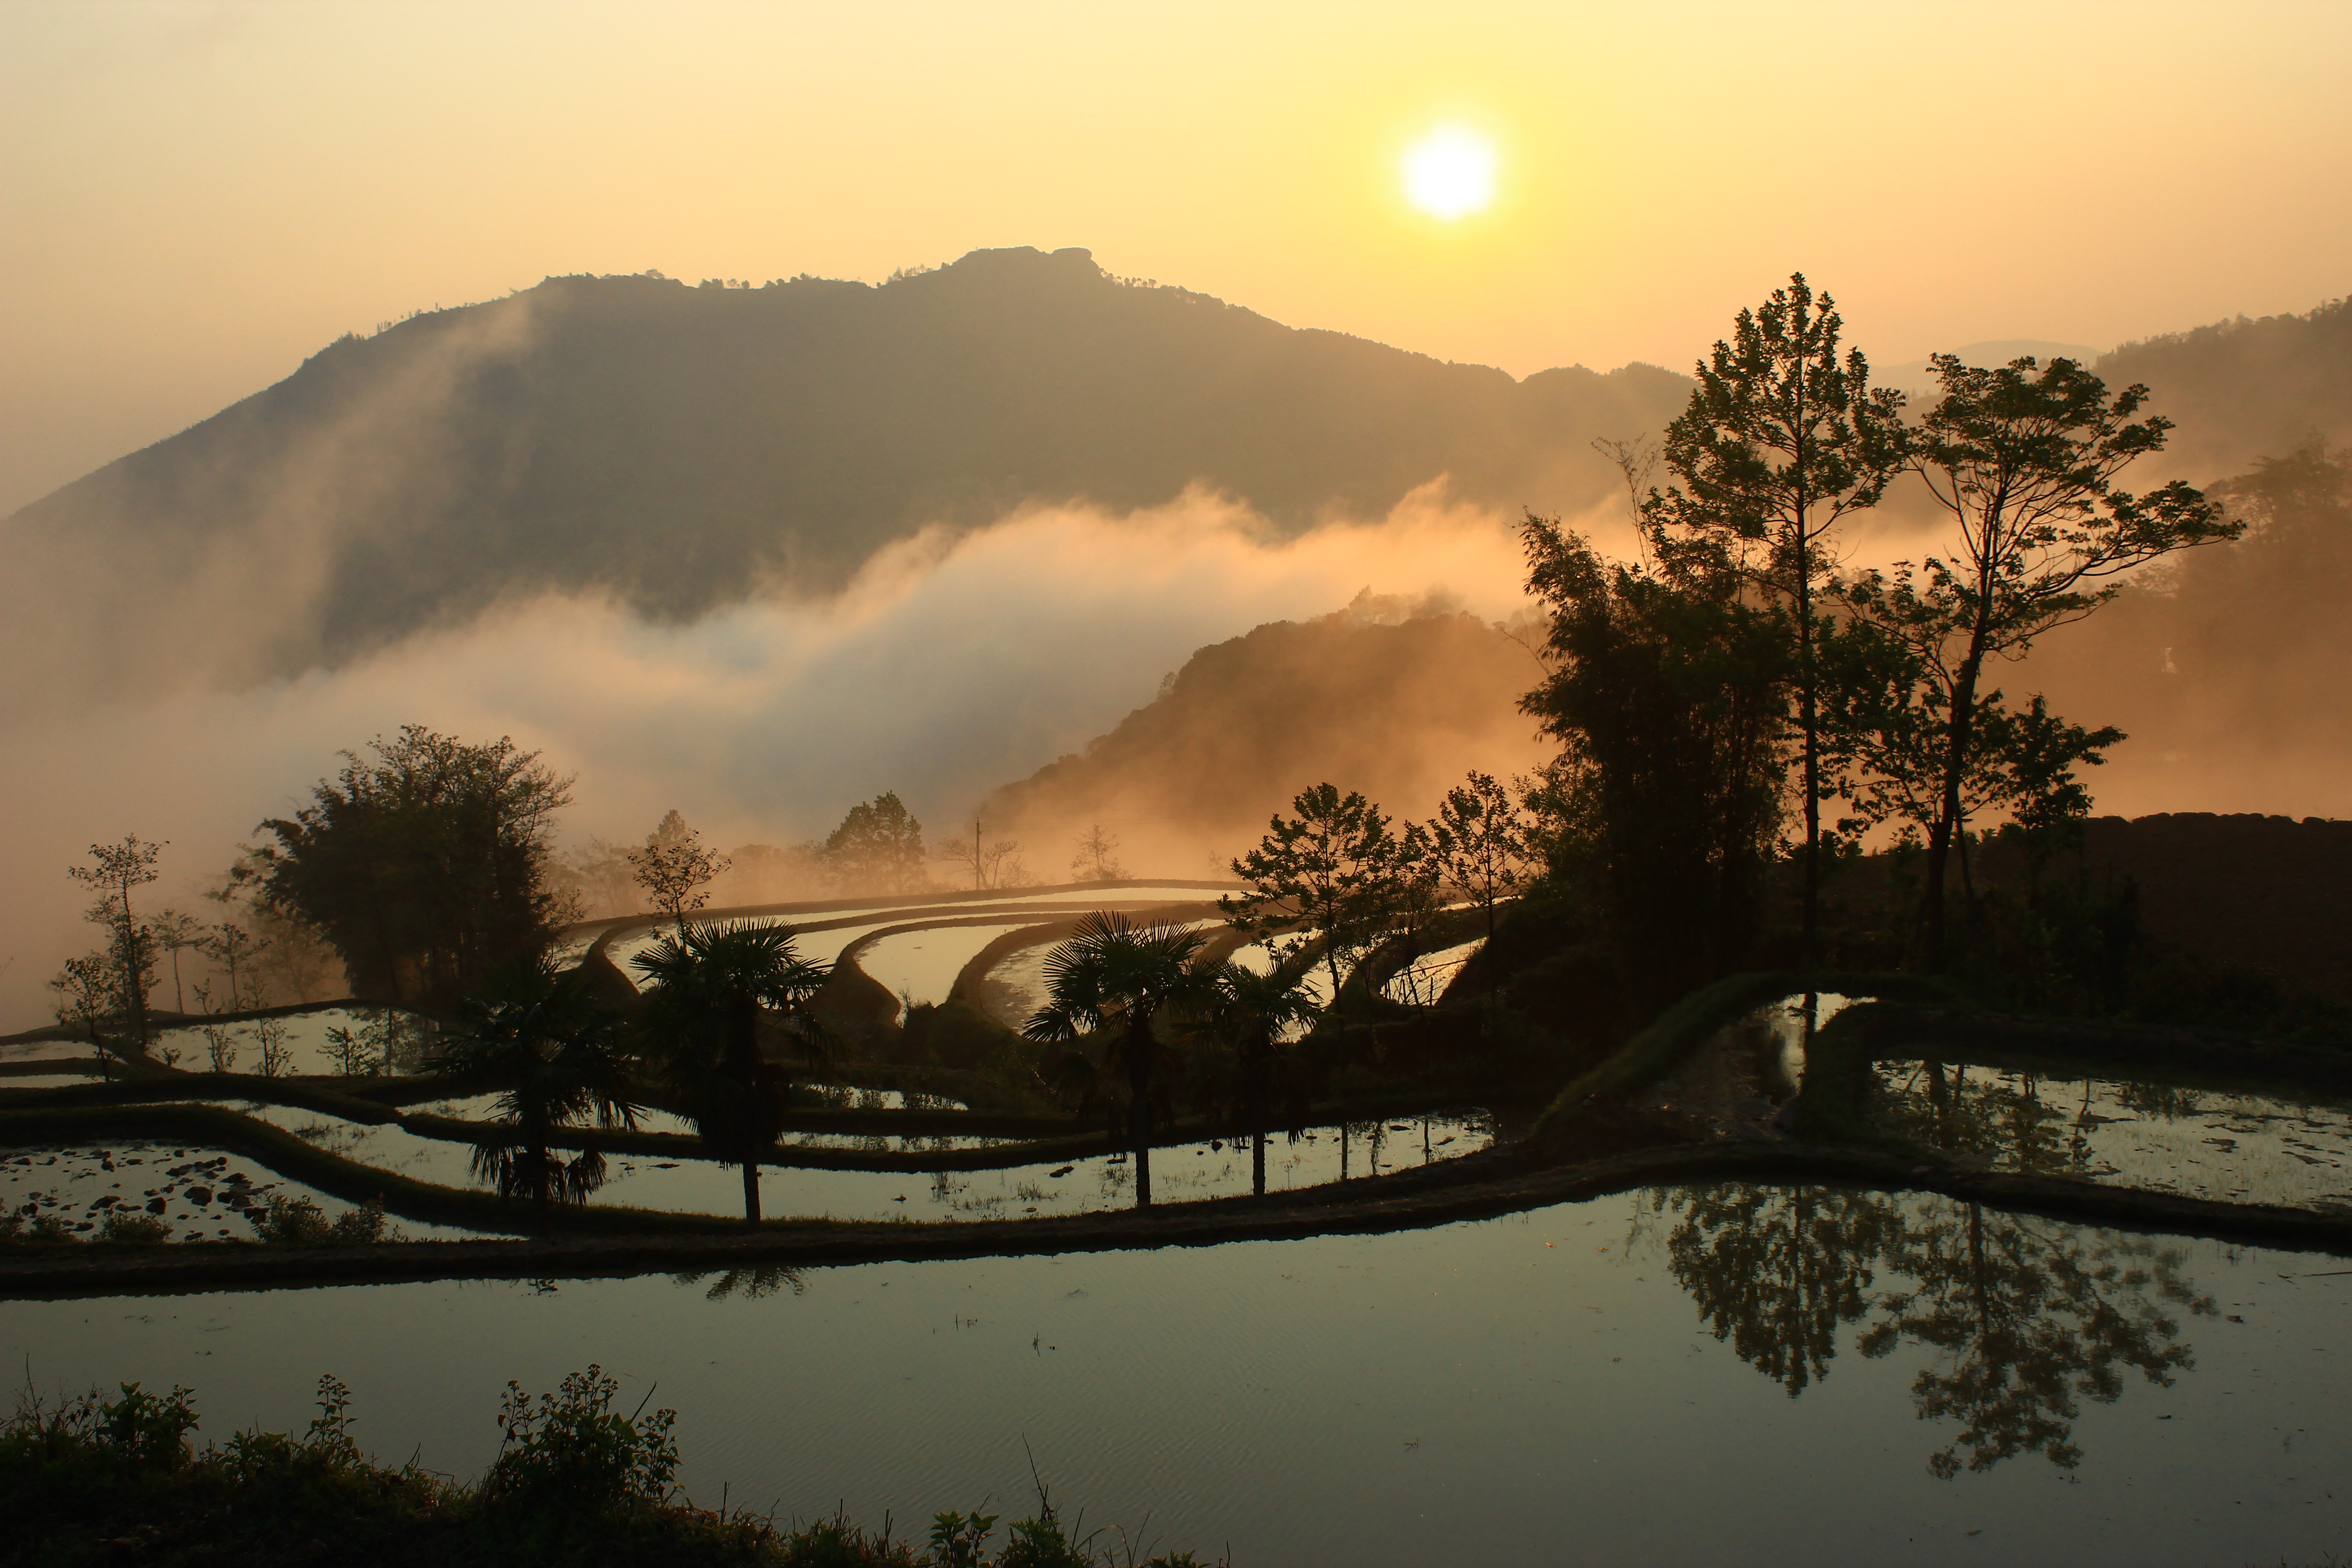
(199, 196)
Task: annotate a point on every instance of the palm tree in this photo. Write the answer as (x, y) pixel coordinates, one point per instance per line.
(1250, 1012)
(709, 984)
(1113, 979)
(543, 1033)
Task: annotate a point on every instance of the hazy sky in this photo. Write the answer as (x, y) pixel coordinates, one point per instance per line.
(198, 196)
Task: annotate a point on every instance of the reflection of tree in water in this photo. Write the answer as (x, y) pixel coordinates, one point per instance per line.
(1777, 1270)
(2026, 1318)
(2160, 1101)
(758, 1280)
(1998, 1116)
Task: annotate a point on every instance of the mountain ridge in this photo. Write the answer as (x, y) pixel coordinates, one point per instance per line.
(681, 449)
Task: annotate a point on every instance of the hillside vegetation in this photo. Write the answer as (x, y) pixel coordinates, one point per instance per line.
(2244, 389)
(1395, 700)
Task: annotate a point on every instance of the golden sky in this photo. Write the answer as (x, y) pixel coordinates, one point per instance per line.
(198, 196)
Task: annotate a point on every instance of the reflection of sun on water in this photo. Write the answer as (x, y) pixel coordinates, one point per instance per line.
(1450, 172)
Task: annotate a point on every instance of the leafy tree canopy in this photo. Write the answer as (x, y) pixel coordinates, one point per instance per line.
(424, 864)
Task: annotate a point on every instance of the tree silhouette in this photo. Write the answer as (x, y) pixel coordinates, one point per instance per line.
(86, 991)
(1250, 1014)
(1781, 439)
(675, 867)
(541, 1033)
(877, 848)
(1096, 859)
(234, 948)
(425, 868)
(1480, 849)
(175, 933)
(1668, 693)
(2024, 458)
(116, 871)
(1110, 984)
(709, 988)
(1331, 872)
(996, 863)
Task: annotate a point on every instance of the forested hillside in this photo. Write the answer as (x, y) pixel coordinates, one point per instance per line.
(1394, 700)
(2243, 389)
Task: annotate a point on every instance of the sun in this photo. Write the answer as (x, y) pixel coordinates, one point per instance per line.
(1450, 172)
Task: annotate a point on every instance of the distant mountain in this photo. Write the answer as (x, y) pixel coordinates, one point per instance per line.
(679, 448)
(1396, 700)
(2244, 389)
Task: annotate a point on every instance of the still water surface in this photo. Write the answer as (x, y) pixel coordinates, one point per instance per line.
(1727, 1373)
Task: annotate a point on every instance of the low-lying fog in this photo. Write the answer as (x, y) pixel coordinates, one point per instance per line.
(950, 667)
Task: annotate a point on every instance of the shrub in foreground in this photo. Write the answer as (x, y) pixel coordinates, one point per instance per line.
(94, 1479)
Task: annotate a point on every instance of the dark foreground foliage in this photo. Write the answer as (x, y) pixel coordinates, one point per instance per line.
(98, 1480)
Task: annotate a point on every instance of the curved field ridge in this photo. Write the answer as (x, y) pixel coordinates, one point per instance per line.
(1498, 1185)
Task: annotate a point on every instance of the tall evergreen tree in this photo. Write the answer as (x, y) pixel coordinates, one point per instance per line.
(1780, 441)
(1333, 871)
(877, 848)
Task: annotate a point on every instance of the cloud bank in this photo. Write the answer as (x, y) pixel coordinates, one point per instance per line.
(950, 663)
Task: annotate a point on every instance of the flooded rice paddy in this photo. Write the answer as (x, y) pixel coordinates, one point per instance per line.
(919, 966)
(1724, 1373)
(204, 1193)
(1842, 1375)
(2203, 1143)
(1420, 982)
(1180, 1172)
(826, 943)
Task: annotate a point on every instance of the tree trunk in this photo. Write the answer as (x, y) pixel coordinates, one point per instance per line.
(1809, 714)
(1257, 1126)
(1331, 963)
(1138, 1079)
(1487, 1025)
(751, 1190)
(1948, 810)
